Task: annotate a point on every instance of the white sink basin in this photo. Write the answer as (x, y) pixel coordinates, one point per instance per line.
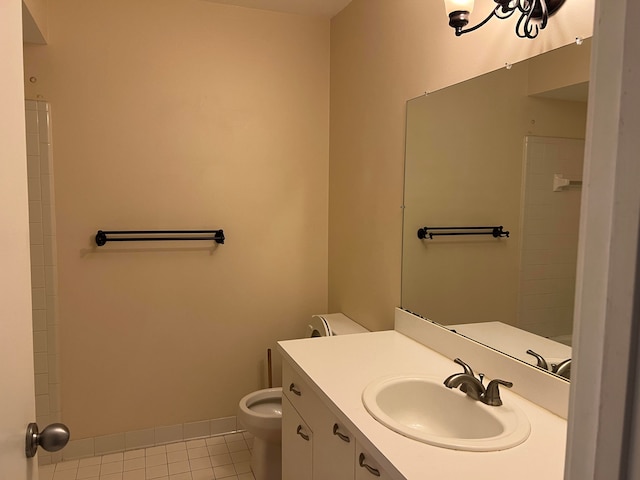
(422, 408)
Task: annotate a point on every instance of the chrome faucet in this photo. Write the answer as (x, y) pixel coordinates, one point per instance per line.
(542, 363)
(563, 368)
(473, 386)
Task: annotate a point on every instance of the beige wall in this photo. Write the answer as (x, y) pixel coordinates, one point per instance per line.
(182, 114)
(382, 54)
(35, 21)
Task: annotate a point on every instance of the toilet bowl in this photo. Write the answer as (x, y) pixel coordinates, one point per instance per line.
(260, 412)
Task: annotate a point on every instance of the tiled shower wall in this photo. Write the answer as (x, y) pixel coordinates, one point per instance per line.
(44, 282)
(550, 223)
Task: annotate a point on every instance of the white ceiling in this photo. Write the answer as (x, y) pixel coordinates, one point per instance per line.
(322, 8)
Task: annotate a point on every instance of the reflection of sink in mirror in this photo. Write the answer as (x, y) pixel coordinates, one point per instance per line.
(422, 408)
(514, 341)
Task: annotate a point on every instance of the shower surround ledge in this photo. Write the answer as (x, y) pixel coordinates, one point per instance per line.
(337, 370)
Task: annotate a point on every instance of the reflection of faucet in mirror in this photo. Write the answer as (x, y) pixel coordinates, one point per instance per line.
(474, 388)
(563, 368)
(542, 363)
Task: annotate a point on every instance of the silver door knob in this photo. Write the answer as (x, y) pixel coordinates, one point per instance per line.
(52, 438)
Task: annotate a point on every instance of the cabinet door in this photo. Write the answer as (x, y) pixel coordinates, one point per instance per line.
(367, 467)
(333, 449)
(297, 450)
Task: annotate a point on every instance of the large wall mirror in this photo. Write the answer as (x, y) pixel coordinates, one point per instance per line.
(503, 149)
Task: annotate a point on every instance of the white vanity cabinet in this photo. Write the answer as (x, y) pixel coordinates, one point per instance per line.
(331, 374)
(315, 443)
(297, 441)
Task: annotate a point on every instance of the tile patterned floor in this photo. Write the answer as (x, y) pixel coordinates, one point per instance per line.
(221, 457)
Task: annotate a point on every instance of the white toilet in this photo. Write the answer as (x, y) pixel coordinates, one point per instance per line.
(260, 412)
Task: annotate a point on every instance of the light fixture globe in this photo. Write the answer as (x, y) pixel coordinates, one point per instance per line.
(452, 6)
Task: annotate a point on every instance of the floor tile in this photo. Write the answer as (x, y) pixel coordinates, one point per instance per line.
(157, 472)
(174, 447)
(161, 449)
(68, 474)
(196, 443)
(134, 475)
(46, 472)
(68, 465)
(237, 446)
(112, 457)
(205, 474)
(181, 476)
(224, 457)
(88, 472)
(111, 468)
(178, 456)
(200, 463)
(111, 476)
(134, 464)
(197, 452)
(179, 467)
(153, 460)
(233, 437)
(86, 462)
(215, 440)
(133, 454)
(218, 449)
(218, 460)
(224, 471)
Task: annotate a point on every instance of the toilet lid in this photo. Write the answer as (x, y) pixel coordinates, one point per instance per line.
(318, 327)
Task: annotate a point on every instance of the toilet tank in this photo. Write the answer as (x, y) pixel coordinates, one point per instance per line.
(329, 324)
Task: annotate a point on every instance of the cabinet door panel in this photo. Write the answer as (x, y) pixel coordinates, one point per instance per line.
(367, 467)
(333, 450)
(297, 449)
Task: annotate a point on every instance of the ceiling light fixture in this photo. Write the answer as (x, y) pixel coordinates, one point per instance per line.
(534, 14)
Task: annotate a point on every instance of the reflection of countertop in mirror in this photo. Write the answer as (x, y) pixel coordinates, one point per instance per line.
(339, 368)
(514, 341)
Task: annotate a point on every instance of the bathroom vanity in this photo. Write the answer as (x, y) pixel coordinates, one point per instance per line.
(329, 434)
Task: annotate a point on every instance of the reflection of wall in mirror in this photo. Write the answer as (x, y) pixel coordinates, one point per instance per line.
(549, 236)
(464, 166)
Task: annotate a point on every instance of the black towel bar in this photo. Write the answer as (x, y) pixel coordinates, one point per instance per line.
(104, 236)
(427, 232)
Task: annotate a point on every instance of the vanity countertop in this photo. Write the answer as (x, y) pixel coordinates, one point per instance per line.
(339, 368)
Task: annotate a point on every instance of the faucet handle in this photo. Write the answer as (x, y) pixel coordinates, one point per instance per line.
(492, 393)
(542, 363)
(467, 368)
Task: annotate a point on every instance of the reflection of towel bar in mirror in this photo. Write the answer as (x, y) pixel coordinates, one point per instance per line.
(559, 182)
(103, 237)
(427, 232)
